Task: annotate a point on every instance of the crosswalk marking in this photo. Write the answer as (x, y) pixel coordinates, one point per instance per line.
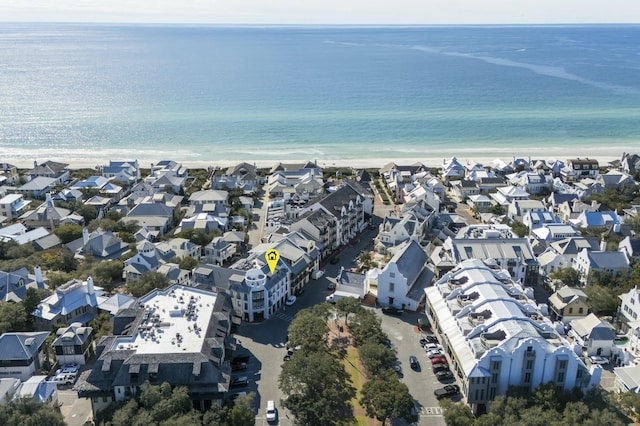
(431, 411)
(283, 316)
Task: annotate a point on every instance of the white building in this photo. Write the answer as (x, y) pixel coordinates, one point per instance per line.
(629, 310)
(594, 335)
(496, 337)
(21, 354)
(402, 281)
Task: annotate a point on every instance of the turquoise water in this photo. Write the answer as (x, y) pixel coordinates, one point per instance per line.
(209, 93)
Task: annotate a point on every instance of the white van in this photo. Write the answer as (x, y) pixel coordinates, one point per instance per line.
(271, 411)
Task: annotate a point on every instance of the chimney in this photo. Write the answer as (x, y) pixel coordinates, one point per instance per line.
(35, 164)
(37, 271)
(603, 245)
(49, 200)
(85, 236)
(90, 289)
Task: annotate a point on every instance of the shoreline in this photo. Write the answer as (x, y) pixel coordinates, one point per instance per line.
(369, 163)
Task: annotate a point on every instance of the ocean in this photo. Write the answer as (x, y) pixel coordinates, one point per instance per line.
(210, 94)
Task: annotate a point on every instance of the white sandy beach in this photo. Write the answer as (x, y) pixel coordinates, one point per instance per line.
(85, 162)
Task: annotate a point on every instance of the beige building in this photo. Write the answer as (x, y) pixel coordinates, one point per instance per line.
(568, 304)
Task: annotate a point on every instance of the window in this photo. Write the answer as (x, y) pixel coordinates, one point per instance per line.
(581, 310)
(492, 393)
(392, 274)
(527, 378)
(529, 364)
(67, 350)
(561, 376)
(392, 287)
(494, 378)
(570, 310)
(562, 365)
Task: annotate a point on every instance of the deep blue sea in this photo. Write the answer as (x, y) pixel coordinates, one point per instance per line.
(210, 94)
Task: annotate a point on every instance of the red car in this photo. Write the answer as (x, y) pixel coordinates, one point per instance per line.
(439, 360)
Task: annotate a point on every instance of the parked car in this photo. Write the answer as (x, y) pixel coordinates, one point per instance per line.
(444, 375)
(240, 358)
(334, 260)
(390, 310)
(428, 339)
(290, 300)
(68, 368)
(439, 367)
(271, 412)
(239, 382)
(65, 378)
(398, 370)
(435, 353)
(448, 390)
(439, 360)
(413, 362)
(238, 366)
(331, 286)
(600, 360)
(431, 346)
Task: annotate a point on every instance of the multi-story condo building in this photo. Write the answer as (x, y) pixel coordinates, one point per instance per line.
(496, 337)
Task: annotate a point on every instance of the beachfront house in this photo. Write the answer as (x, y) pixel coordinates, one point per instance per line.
(59, 172)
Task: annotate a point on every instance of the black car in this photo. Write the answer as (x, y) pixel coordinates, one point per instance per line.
(413, 362)
(240, 358)
(428, 339)
(390, 310)
(238, 366)
(439, 367)
(239, 382)
(331, 286)
(444, 375)
(448, 390)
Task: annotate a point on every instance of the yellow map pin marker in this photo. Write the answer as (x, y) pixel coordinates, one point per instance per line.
(272, 257)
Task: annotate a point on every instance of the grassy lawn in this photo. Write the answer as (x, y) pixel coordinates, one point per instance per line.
(352, 366)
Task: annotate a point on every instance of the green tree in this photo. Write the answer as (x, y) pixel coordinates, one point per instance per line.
(31, 301)
(365, 326)
(601, 300)
(147, 282)
(567, 277)
(27, 412)
(68, 232)
(376, 358)
(106, 273)
(309, 331)
(102, 325)
(12, 317)
(317, 389)
(188, 263)
(519, 228)
(346, 306)
(388, 398)
(457, 414)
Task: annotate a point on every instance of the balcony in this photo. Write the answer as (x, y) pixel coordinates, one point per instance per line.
(491, 340)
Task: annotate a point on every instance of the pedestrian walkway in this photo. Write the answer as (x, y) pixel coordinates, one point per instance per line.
(431, 411)
(283, 316)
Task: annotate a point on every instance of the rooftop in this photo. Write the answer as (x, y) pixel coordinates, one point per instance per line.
(175, 321)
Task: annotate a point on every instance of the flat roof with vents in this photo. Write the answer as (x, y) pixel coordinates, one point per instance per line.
(175, 320)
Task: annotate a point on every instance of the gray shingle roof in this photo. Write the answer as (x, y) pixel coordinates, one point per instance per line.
(410, 260)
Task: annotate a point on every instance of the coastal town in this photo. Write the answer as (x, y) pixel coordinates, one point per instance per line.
(468, 281)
